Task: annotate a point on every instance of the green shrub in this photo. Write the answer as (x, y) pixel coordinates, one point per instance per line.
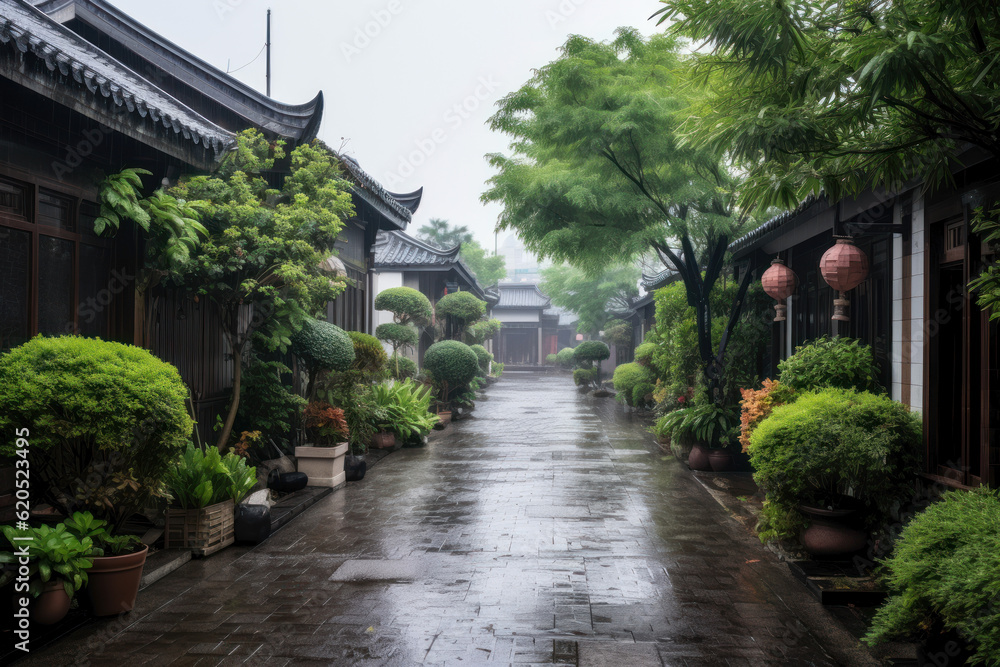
(267, 405)
(322, 346)
(831, 444)
(484, 357)
(462, 307)
(842, 363)
(405, 408)
(591, 351)
(633, 382)
(707, 424)
(204, 478)
(397, 335)
(480, 332)
(451, 362)
(401, 368)
(407, 304)
(550, 359)
(106, 421)
(54, 553)
(617, 332)
(584, 376)
(946, 568)
(369, 356)
(564, 358)
(644, 354)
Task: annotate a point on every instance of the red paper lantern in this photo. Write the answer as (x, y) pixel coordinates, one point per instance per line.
(844, 267)
(779, 282)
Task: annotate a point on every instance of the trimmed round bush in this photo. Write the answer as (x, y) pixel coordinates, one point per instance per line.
(323, 346)
(590, 351)
(463, 307)
(843, 363)
(97, 411)
(830, 444)
(369, 355)
(564, 358)
(945, 569)
(584, 376)
(452, 362)
(484, 357)
(407, 367)
(633, 382)
(406, 303)
(644, 354)
(550, 359)
(397, 335)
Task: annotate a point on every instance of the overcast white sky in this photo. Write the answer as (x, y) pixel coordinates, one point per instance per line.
(392, 93)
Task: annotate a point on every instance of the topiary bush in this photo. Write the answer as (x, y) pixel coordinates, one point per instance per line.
(633, 382)
(843, 363)
(591, 351)
(829, 445)
(583, 377)
(480, 332)
(564, 358)
(451, 363)
(370, 358)
(397, 335)
(484, 357)
(322, 346)
(945, 571)
(401, 368)
(550, 359)
(407, 305)
(644, 354)
(461, 309)
(105, 422)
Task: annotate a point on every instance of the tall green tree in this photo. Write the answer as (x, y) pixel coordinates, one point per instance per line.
(838, 97)
(599, 173)
(440, 233)
(260, 265)
(595, 299)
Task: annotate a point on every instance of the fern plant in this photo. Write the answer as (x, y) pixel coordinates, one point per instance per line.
(120, 196)
(203, 478)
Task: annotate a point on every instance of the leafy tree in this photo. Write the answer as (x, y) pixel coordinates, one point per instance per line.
(489, 269)
(600, 174)
(461, 309)
(839, 97)
(265, 246)
(441, 234)
(399, 336)
(592, 297)
(618, 332)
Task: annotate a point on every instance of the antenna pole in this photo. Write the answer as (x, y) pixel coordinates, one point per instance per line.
(268, 45)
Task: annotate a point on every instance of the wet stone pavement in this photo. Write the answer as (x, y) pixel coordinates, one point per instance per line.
(545, 530)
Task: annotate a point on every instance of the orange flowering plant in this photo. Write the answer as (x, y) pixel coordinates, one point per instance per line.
(325, 424)
(758, 404)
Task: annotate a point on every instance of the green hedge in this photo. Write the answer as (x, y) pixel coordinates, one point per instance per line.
(843, 363)
(633, 382)
(452, 362)
(564, 358)
(946, 568)
(832, 443)
(484, 357)
(369, 355)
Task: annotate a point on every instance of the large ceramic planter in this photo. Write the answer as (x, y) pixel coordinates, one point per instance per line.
(721, 460)
(384, 440)
(831, 534)
(113, 582)
(323, 465)
(698, 458)
(52, 605)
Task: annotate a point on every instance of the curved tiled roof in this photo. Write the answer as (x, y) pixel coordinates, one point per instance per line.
(410, 200)
(294, 121)
(525, 295)
(375, 194)
(398, 249)
(657, 280)
(751, 239)
(67, 55)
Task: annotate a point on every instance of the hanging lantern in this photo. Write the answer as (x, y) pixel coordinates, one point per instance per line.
(844, 267)
(779, 282)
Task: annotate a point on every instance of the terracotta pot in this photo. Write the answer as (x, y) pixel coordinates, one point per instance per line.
(831, 533)
(384, 440)
(52, 605)
(721, 460)
(698, 458)
(113, 582)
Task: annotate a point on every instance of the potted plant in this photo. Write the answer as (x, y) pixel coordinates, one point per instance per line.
(452, 365)
(708, 428)
(943, 577)
(837, 461)
(117, 564)
(107, 422)
(404, 408)
(322, 458)
(57, 566)
(206, 487)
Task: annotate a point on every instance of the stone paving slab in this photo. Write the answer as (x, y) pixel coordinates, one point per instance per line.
(538, 533)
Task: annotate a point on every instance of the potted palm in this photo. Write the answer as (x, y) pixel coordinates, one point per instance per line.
(57, 567)
(322, 458)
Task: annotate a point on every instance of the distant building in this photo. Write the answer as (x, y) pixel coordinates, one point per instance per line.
(522, 265)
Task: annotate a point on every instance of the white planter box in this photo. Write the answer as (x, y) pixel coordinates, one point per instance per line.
(323, 465)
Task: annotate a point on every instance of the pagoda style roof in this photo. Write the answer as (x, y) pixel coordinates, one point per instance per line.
(397, 209)
(235, 105)
(396, 250)
(52, 60)
(654, 281)
(522, 295)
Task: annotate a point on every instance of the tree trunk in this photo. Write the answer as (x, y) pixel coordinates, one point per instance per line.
(223, 442)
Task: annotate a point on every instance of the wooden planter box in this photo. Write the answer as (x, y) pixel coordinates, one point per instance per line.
(204, 531)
